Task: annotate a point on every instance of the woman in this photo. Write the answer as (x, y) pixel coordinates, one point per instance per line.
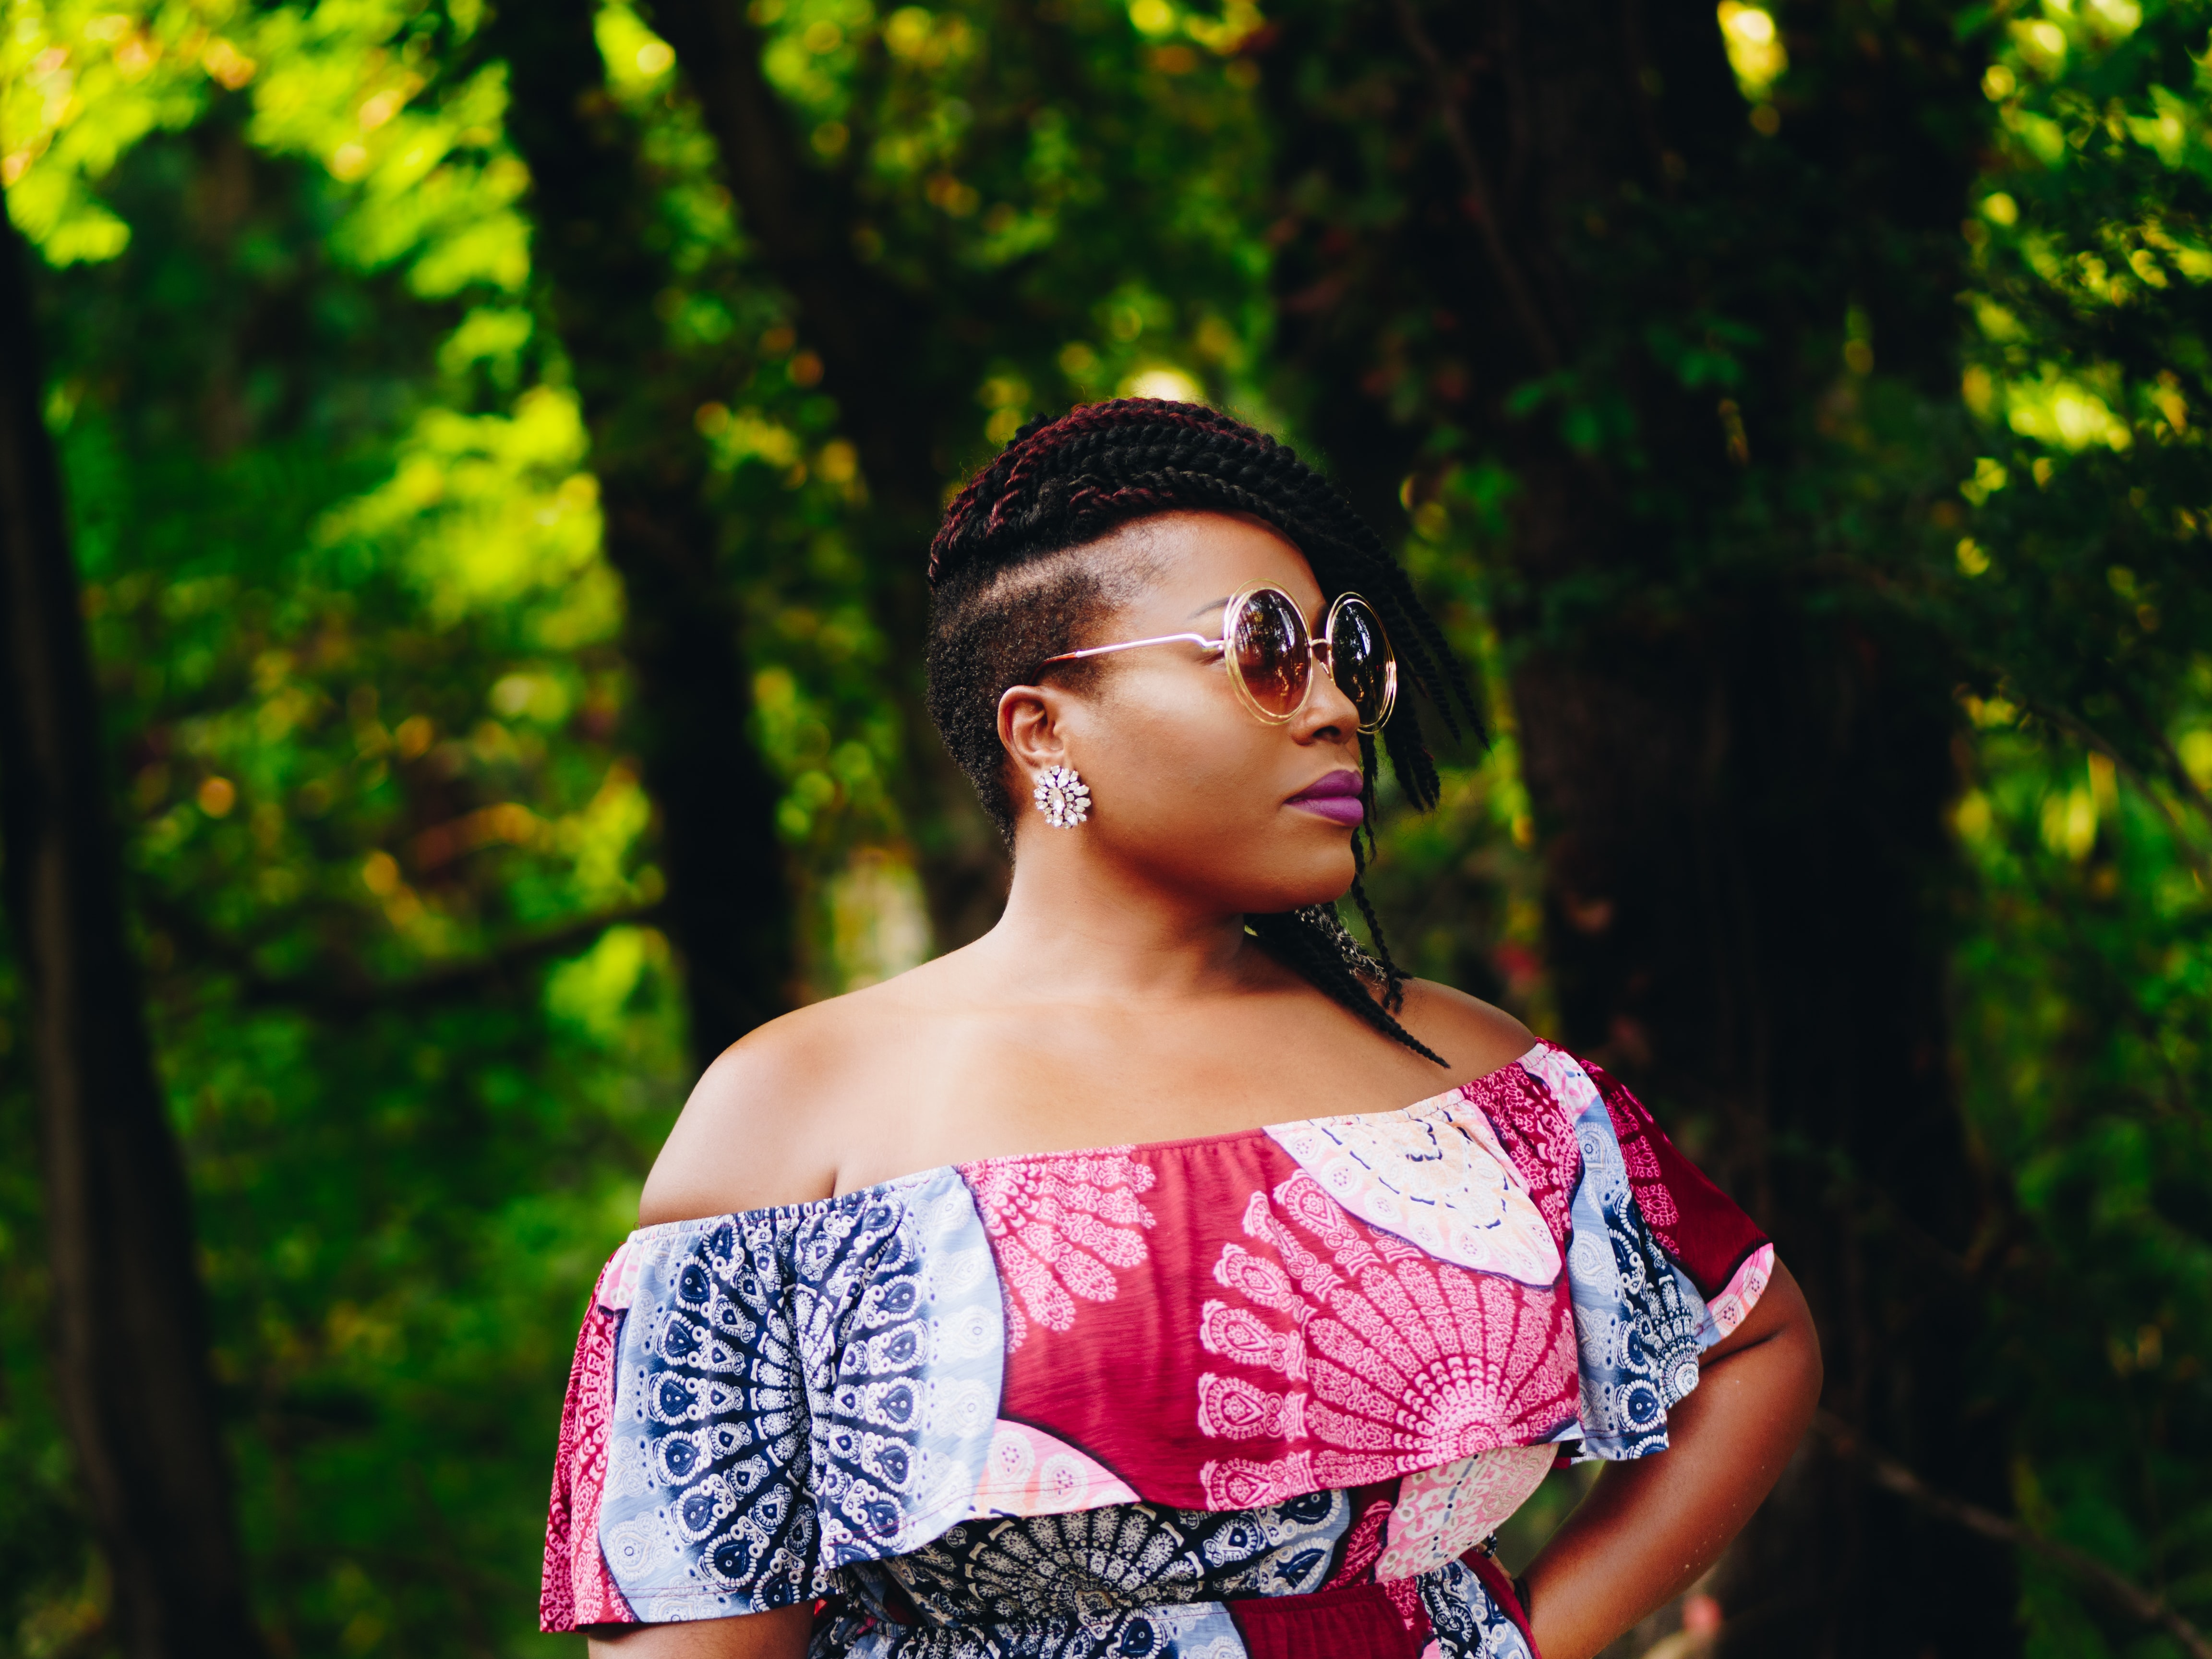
(1092, 1290)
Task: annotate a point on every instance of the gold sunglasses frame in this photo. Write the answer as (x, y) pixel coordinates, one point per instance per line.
(1315, 646)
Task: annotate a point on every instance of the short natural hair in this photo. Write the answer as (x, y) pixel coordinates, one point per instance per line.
(1015, 581)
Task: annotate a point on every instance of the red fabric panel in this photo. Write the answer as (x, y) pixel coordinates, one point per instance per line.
(1205, 1321)
(1103, 1260)
(577, 1589)
(1695, 1221)
(1357, 1622)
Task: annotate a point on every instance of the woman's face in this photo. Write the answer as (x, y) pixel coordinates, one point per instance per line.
(1188, 788)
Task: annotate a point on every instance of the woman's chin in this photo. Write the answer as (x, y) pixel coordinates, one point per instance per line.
(1296, 891)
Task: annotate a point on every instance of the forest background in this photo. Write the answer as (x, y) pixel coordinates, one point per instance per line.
(498, 451)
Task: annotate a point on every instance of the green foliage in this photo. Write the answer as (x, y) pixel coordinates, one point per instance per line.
(2079, 593)
(2090, 350)
(341, 555)
(393, 871)
(391, 861)
(1008, 159)
(2082, 1056)
(79, 86)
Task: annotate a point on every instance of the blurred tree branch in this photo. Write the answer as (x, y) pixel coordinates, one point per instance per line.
(803, 218)
(2170, 767)
(1891, 1475)
(341, 989)
(1479, 205)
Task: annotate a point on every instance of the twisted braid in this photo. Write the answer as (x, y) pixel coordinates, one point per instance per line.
(1010, 593)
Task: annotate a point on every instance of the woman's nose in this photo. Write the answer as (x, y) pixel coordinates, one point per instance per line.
(1327, 711)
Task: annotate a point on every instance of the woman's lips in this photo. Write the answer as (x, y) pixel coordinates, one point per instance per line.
(1335, 797)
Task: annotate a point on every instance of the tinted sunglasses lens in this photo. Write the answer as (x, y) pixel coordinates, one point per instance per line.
(1272, 652)
(1359, 657)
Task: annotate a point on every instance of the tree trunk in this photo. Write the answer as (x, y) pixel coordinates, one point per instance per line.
(130, 1359)
(729, 901)
(870, 332)
(886, 357)
(1738, 759)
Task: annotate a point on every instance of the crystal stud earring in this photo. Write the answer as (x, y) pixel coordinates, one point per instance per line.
(1062, 797)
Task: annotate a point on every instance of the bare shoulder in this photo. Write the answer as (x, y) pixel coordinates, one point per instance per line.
(1476, 1037)
(763, 1123)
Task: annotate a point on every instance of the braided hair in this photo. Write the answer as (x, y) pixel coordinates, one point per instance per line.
(1012, 586)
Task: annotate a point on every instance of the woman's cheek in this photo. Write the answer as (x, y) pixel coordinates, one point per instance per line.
(1183, 766)
(1163, 755)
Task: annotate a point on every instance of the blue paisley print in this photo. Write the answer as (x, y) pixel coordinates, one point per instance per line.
(1636, 1317)
(1200, 1630)
(1095, 1565)
(797, 1389)
(1136, 1579)
(1467, 1621)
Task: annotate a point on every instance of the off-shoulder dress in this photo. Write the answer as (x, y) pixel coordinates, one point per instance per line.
(1246, 1397)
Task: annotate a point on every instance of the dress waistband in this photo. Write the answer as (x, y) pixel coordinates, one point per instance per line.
(1465, 1608)
(1386, 1621)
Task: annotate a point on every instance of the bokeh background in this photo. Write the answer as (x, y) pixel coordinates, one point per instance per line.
(499, 444)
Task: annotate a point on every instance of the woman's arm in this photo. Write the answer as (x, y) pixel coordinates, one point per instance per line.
(778, 1635)
(1650, 1528)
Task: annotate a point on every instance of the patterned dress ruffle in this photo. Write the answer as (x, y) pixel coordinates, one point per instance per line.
(1227, 1397)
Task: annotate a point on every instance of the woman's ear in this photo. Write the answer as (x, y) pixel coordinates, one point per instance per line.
(1030, 727)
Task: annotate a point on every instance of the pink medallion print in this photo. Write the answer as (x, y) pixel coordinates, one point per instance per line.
(1438, 1179)
(577, 1587)
(1393, 1360)
(1029, 1472)
(1443, 1513)
(1741, 1295)
(1060, 1226)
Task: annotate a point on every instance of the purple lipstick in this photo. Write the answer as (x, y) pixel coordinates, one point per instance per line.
(1335, 797)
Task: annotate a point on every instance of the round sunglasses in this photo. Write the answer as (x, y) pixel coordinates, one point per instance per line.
(1271, 655)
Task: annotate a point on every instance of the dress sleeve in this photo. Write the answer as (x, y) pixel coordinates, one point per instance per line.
(1701, 1229)
(680, 1492)
(762, 1400)
(1648, 1291)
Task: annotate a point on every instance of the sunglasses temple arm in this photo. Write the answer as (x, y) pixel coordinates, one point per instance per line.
(1132, 645)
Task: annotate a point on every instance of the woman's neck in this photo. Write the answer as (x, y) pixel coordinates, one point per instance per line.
(1067, 934)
